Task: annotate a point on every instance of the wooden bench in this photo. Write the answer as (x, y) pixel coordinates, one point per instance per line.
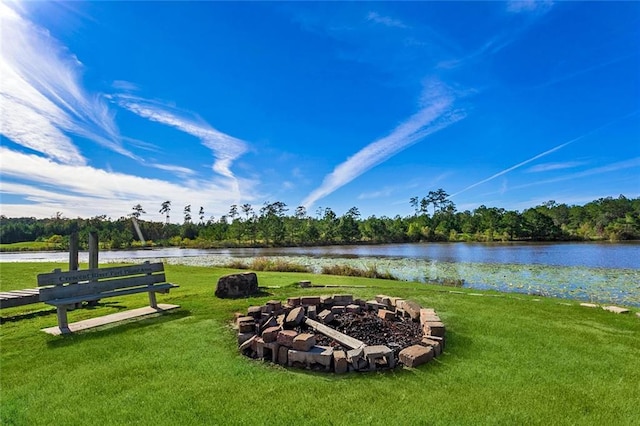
(65, 289)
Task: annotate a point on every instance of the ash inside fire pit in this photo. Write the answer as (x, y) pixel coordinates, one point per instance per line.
(338, 333)
(397, 333)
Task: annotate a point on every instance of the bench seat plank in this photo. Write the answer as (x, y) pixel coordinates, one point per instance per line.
(11, 300)
(112, 318)
(162, 288)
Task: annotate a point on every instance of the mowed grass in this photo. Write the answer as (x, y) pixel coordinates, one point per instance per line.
(30, 246)
(509, 359)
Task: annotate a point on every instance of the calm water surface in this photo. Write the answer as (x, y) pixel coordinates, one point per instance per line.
(592, 255)
(595, 272)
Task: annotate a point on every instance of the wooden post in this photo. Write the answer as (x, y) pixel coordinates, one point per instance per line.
(73, 251)
(63, 324)
(152, 294)
(93, 250)
(152, 300)
(93, 258)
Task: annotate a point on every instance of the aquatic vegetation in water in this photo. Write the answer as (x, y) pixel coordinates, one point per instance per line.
(598, 285)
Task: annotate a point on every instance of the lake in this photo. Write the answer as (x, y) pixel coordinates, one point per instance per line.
(595, 272)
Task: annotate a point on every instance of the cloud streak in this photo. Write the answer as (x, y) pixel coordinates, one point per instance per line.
(86, 191)
(609, 168)
(528, 6)
(385, 20)
(225, 148)
(517, 166)
(41, 98)
(437, 114)
(543, 154)
(548, 167)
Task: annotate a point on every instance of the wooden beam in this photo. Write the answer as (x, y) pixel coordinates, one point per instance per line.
(341, 338)
(110, 319)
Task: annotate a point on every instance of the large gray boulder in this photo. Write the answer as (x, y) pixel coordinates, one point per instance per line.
(237, 285)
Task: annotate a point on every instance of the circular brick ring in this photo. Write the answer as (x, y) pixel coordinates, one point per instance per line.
(287, 333)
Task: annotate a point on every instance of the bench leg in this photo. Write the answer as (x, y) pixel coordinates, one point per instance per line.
(152, 300)
(63, 324)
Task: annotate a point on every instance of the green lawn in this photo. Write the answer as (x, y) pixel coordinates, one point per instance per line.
(30, 246)
(509, 359)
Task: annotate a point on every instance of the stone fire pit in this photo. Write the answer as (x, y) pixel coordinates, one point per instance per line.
(339, 333)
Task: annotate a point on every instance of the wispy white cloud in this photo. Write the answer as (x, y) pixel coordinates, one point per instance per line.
(569, 76)
(517, 166)
(178, 170)
(545, 153)
(528, 6)
(81, 190)
(609, 168)
(42, 100)
(225, 148)
(385, 20)
(381, 193)
(547, 167)
(125, 86)
(438, 112)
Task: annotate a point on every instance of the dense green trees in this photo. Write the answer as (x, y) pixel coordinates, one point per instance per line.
(435, 218)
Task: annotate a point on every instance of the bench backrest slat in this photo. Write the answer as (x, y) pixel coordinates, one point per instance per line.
(59, 278)
(97, 287)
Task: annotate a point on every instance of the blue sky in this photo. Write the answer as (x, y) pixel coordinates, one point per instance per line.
(105, 105)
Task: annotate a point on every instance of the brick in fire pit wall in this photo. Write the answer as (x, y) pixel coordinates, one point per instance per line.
(428, 315)
(254, 311)
(379, 354)
(338, 309)
(295, 316)
(319, 355)
(270, 334)
(246, 325)
(293, 301)
(412, 308)
(276, 305)
(243, 337)
(356, 358)
(304, 342)
(325, 316)
(310, 300)
(386, 315)
(268, 322)
(271, 349)
(283, 355)
(342, 299)
(340, 363)
(437, 347)
(285, 337)
(312, 312)
(396, 300)
(375, 306)
(434, 329)
(383, 300)
(355, 309)
(416, 355)
(326, 300)
(248, 344)
(436, 338)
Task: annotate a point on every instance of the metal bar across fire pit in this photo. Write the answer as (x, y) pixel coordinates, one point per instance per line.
(341, 338)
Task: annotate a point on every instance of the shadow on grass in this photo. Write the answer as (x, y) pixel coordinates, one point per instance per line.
(29, 315)
(52, 311)
(106, 331)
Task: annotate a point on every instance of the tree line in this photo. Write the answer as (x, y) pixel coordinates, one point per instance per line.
(435, 218)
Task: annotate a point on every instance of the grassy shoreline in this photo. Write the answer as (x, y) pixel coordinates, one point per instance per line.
(510, 359)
